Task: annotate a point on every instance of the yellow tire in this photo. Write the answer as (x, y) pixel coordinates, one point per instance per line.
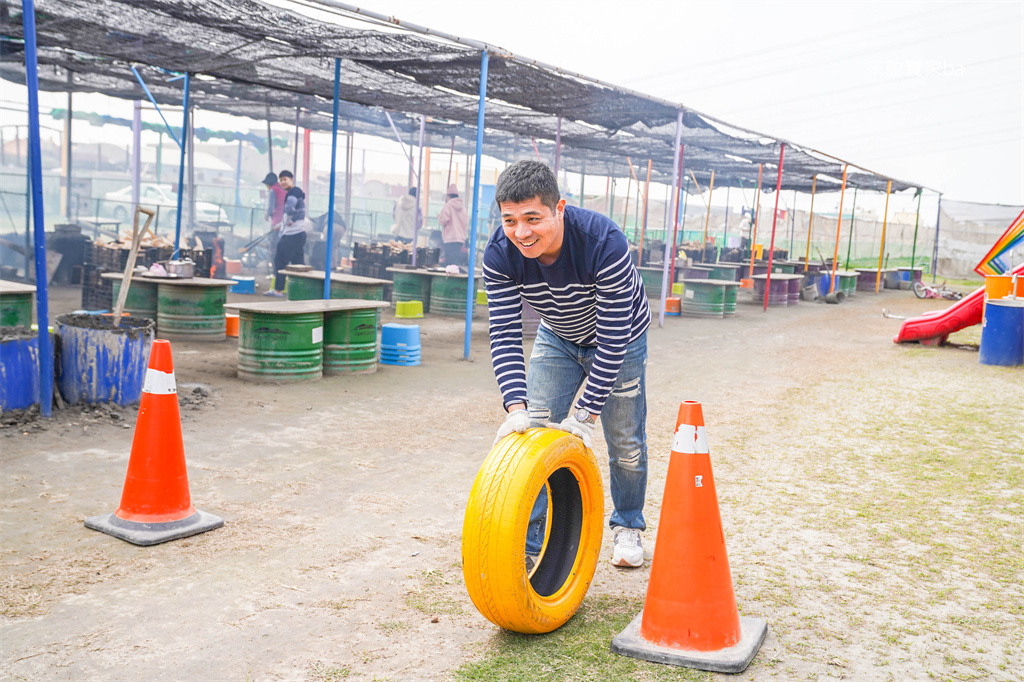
(497, 516)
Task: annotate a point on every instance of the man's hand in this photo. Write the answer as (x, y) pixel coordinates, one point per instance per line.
(517, 421)
(577, 428)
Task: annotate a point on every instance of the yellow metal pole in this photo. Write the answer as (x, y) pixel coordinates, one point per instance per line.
(707, 219)
(643, 227)
(839, 225)
(810, 221)
(881, 252)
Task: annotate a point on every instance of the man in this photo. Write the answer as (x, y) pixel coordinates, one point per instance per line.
(406, 211)
(572, 265)
(454, 222)
(293, 232)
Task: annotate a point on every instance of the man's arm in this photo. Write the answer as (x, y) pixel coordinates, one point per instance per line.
(289, 206)
(615, 294)
(505, 308)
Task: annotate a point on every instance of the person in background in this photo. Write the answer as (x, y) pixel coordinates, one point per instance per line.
(454, 222)
(572, 265)
(275, 208)
(405, 212)
(293, 232)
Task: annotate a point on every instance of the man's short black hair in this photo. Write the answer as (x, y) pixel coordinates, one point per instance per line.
(286, 174)
(524, 180)
(412, 191)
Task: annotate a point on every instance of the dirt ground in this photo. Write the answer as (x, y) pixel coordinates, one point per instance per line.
(872, 497)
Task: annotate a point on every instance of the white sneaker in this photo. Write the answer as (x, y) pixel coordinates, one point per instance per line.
(628, 551)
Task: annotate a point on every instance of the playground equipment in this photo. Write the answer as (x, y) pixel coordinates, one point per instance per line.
(494, 567)
(934, 327)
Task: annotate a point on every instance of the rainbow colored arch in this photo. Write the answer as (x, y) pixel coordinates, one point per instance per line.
(1014, 235)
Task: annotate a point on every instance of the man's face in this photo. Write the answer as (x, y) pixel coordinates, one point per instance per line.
(534, 228)
(286, 182)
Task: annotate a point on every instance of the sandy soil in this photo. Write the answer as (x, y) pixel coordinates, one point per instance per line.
(343, 501)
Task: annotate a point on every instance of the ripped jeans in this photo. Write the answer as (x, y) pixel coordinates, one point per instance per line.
(557, 370)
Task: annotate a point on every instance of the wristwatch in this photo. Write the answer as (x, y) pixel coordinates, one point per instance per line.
(582, 415)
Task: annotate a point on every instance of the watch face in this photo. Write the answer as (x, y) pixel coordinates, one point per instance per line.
(582, 415)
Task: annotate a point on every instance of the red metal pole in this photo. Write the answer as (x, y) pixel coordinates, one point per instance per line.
(839, 225)
(757, 215)
(675, 217)
(775, 219)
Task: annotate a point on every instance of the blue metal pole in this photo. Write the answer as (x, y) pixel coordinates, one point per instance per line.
(185, 132)
(330, 200)
(471, 284)
(36, 169)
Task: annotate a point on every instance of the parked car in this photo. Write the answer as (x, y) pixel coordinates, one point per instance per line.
(152, 194)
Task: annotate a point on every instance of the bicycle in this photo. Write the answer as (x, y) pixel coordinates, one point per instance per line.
(922, 290)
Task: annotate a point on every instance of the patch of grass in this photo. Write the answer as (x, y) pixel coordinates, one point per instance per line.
(433, 596)
(579, 650)
(392, 627)
(325, 673)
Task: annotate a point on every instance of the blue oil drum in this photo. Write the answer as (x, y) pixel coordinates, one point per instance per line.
(19, 368)
(99, 363)
(1002, 333)
(823, 280)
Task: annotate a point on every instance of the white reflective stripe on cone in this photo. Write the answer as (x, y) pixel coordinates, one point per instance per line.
(690, 440)
(159, 383)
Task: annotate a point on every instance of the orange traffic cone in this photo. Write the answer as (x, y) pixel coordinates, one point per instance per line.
(155, 502)
(690, 617)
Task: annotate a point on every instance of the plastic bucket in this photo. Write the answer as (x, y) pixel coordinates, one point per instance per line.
(1002, 333)
(350, 341)
(16, 309)
(141, 299)
(448, 296)
(19, 368)
(411, 286)
(99, 363)
(1001, 286)
(280, 347)
(191, 313)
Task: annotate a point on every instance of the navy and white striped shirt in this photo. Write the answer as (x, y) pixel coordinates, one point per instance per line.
(592, 295)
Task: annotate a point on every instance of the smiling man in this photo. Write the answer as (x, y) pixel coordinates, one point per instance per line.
(572, 265)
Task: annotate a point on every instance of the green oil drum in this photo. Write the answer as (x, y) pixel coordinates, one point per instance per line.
(411, 286)
(304, 288)
(16, 309)
(783, 268)
(848, 282)
(141, 300)
(280, 347)
(191, 313)
(651, 278)
(350, 341)
(725, 271)
(366, 292)
(703, 298)
(448, 296)
(731, 290)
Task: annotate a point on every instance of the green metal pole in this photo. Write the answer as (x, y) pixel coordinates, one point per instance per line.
(917, 221)
(849, 242)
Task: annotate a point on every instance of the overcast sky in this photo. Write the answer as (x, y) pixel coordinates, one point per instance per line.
(928, 92)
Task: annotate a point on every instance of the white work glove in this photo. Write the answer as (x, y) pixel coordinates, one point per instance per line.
(517, 421)
(577, 428)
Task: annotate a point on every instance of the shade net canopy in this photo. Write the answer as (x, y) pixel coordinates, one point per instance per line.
(263, 62)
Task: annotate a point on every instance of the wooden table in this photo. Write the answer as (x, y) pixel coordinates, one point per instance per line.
(288, 341)
(16, 303)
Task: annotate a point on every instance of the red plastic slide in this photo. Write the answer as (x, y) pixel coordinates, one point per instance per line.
(935, 326)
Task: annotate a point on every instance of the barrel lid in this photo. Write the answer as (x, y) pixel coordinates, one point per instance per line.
(9, 287)
(1009, 302)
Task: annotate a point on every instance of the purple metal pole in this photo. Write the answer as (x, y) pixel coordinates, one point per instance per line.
(669, 260)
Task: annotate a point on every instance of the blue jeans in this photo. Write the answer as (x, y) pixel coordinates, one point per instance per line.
(557, 370)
